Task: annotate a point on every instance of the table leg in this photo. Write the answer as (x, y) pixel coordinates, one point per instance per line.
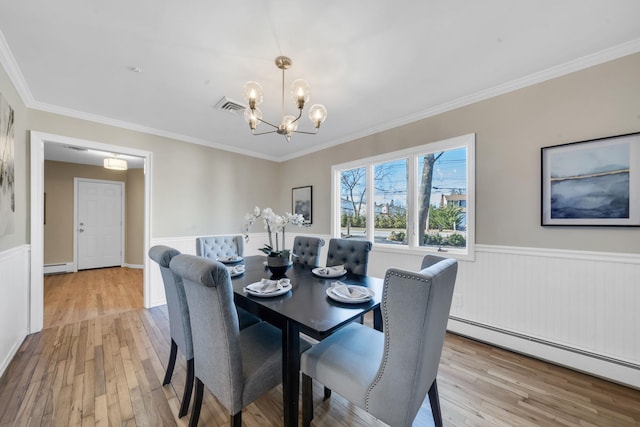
(290, 373)
(377, 319)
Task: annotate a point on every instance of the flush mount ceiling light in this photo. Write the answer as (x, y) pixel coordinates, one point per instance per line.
(115, 164)
(288, 124)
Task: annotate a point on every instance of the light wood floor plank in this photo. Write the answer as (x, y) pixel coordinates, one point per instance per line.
(101, 358)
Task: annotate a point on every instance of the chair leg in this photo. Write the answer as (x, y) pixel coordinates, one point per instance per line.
(197, 404)
(327, 393)
(307, 400)
(236, 419)
(172, 363)
(188, 388)
(434, 400)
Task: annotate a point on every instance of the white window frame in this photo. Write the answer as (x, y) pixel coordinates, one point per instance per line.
(465, 141)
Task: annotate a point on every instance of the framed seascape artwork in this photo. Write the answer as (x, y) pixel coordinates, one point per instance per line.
(592, 183)
(7, 174)
(301, 202)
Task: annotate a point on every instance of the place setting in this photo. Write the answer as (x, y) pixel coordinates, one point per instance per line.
(268, 288)
(349, 294)
(330, 272)
(231, 259)
(235, 270)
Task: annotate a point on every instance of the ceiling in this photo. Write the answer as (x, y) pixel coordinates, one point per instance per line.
(374, 65)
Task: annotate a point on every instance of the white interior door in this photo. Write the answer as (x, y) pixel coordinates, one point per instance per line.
(99, 223)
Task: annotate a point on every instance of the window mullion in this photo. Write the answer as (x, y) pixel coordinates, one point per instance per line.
(370, 203)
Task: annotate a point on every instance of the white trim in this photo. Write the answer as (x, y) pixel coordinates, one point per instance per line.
(617, 257)
(38, 140)
(134, 266)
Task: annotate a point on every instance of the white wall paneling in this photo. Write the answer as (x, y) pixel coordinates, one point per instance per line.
(14, 302)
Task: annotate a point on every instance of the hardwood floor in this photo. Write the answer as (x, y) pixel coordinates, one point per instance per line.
(101, 360)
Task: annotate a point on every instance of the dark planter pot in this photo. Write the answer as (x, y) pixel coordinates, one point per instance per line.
(278, 266)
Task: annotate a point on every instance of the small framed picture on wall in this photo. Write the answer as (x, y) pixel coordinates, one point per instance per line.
(302, 202)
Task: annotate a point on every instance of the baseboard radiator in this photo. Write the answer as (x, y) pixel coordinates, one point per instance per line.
(64, 267)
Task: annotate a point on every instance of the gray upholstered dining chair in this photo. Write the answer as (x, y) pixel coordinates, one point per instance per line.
(389, 373)
(179, 326)
(354, 254)
(306, 250)
(237, 366)
(179, 323)
(214, 247)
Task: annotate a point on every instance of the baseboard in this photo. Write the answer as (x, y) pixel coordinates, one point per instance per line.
(137, 266)
(63, 267)
(615, 370)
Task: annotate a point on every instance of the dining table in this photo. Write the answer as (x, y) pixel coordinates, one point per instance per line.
(306, 308)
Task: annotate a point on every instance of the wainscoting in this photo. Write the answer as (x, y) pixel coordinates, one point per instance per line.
(14, 302)
(573, 308)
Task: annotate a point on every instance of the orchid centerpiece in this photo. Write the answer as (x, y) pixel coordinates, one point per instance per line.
(274, 224)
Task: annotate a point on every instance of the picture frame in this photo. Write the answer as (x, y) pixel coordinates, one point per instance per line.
(302, 202)
(592, 183)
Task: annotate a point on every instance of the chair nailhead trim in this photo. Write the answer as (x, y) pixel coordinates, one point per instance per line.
(387, 332)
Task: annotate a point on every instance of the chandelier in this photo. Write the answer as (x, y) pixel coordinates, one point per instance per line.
(288, 124)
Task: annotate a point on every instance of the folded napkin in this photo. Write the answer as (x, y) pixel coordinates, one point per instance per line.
(333, 269)
(266, 286)
(351, 292)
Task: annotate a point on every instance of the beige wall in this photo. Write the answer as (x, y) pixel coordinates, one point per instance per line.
(510, 130)
(20, 234)
(134, 223)
(58, 227)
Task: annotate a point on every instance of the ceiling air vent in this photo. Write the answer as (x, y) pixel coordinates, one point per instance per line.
(72, 147)
(229, 105)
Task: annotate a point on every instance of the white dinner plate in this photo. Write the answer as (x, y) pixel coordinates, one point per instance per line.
(346, 300)
(228, 260)
(234, 273)
(328, 272)
(282, 291)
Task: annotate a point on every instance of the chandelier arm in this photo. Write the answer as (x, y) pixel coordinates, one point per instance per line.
(263, 133)
(308, 133)
(267, 123)
(297, 118)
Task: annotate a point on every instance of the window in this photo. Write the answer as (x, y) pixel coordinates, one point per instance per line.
(421, 198)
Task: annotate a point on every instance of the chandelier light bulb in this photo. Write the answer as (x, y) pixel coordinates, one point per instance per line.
(300, 92)
(252, 117)
(290, 124)
(253, 94)
(317, 114)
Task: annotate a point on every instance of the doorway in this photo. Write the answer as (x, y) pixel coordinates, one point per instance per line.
(38, 141)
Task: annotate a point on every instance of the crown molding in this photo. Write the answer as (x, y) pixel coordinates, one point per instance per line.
(9, 63)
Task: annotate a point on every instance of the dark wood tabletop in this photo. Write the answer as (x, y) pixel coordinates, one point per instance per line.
(305, 308)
